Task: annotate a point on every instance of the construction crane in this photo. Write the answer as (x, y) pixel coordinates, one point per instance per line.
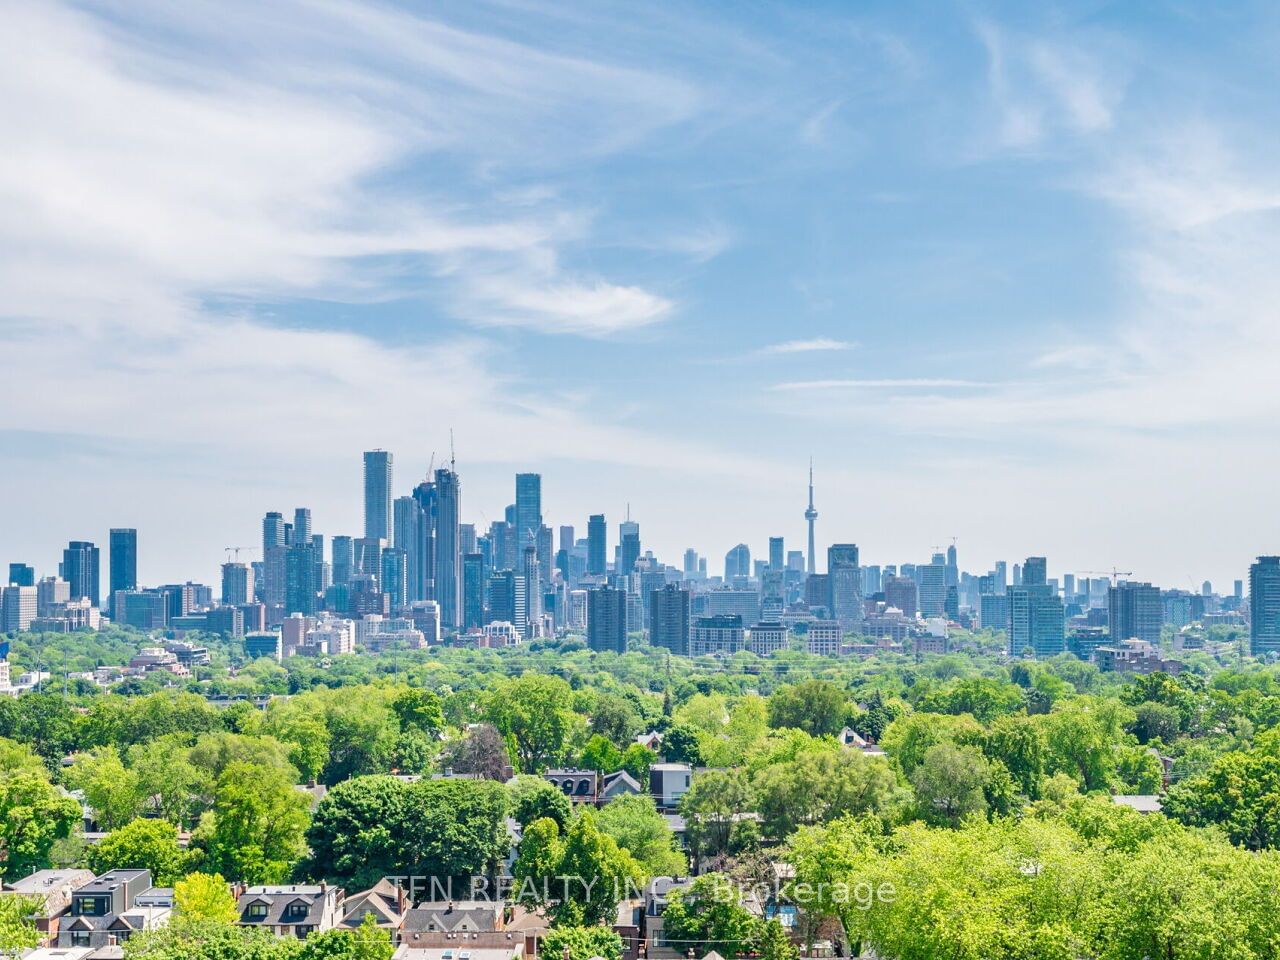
(236, 551)
(1113, 573)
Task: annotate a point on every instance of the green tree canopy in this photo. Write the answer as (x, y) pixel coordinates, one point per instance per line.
(141, 845)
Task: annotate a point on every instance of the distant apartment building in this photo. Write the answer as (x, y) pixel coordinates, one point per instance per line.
(716, 635)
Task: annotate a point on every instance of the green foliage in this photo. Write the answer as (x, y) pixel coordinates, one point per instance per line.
(951, 782)
(141, 845)
(712, 809)
(980, 697)
(418, 709)
(255, 830)
(820, 786)
(113, 792)
(533, 798)
(601, 874)
(210, 940)
(532, 713)
(17, 928)
(818, 707)
(369, 827)
(203, 896)
(774, 944)
(541, 850)
(367, 942)
(709, 915)
(680, 745)
(33, 816)
(1240, 792)
(636, 760)
(583, 943)
(577, 879)
(637, 826)
(601, 755)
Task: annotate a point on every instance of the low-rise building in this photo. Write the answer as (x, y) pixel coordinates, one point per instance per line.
(717, 635)
(113, 907)
(768, 638)
(290, 911)
(824, 638)
(54, 889)
(668, 782)
(1134, 656)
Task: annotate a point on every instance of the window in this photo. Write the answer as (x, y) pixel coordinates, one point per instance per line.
(295, 911)
(257, 911)
(90, 906)
(80, 938)
(302, 931)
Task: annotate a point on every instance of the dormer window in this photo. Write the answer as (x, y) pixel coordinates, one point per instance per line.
(257, 911)
(295, 911)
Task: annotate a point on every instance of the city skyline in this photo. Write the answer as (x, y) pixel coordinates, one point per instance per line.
(1006, 272)
(531, 485)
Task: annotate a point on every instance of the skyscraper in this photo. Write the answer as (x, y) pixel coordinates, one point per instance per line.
(776, 553)
(628, 545)
(123, 552)
(80, 568)
(237, 584)
(737, 562)
(902, 593)
(506, 599)
(532, 573)
(344, 560)
(1035, 572)
(394, 580)
(607, 620)
(377, 494)
(273, 559)
(669, 618)
(933, 587)
(410, 525)
(1036, 615)
(300, 578)
(810, 516)
(22, 575)
(472, 591)
(597, 545)
(301, 525)
(528, 513)
(1135, 611)
(844, 581)
(425, 494)
(448, 585)
(1264, 606)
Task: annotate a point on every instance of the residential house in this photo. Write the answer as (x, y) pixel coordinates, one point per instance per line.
(385, 900)
(493, 947)
(580, 786)
(656, 896)
(668, 782)
(111, 908)
(54, 889)
(294, 910)
(455, 916)
(618, 784)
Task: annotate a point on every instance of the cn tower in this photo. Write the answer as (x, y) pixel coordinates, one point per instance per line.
(811, 515)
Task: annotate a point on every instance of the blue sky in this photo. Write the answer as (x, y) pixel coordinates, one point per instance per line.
(1005, 270)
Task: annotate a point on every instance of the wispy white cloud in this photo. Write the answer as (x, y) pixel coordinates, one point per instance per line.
(812, 345)
(140, 175)
(900, 383)
(1040, 84)
(814, 129)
